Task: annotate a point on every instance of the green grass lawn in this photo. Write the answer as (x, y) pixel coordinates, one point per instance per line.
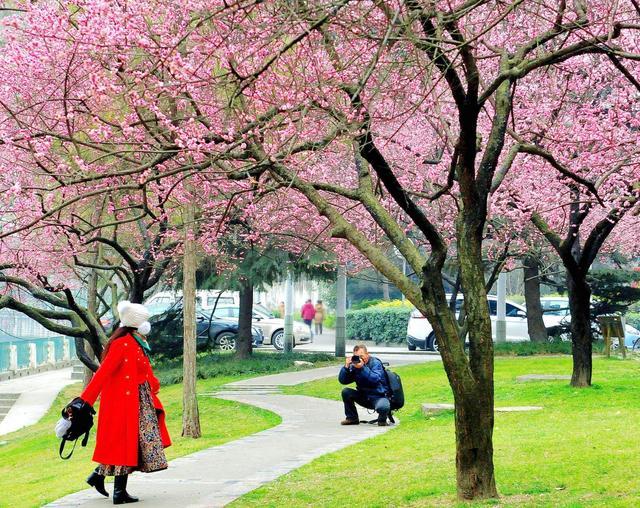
(580, 450)
(32, 474)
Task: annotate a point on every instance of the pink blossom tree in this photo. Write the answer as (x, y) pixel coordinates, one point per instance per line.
(574, 169)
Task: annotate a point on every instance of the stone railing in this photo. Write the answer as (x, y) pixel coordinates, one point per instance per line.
(26, 357)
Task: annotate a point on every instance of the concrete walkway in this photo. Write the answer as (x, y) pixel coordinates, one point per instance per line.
(36, 394)
(218, 475)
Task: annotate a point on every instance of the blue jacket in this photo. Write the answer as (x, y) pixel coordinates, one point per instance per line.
(370, 379)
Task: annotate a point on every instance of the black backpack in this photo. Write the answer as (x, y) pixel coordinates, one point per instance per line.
(80, 414)
(396, 395)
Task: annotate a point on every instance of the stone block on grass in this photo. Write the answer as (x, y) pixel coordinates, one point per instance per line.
(542, 377)
(431, 409)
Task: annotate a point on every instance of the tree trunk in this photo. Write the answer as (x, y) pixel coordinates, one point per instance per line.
(474, 396)
(92, 308)
(473, 391)
(535, 323)
(190, 416)
(581, 336)
(244, 339)
(474, 445)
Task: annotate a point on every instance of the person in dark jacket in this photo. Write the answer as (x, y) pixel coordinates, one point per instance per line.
(372, 388)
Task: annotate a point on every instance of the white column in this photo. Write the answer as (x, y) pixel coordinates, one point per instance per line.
(51, 352)
(341, 306)
(288, 315)
(13, 357)
(33, 356)
(501, 322)
(66, 349)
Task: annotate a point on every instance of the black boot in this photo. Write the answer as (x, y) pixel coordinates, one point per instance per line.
(120, 495)
(96, 480)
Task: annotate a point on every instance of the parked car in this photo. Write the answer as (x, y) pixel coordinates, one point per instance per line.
(632, 337)
(206, 299)
(272, 327)
(167, 331)
(420, 333)
(559, 306)
(157, 306)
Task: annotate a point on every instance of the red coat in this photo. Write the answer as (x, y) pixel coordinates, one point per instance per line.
(124, 368)
(308, 311)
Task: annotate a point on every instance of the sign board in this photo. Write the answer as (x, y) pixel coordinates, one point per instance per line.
(612, 326)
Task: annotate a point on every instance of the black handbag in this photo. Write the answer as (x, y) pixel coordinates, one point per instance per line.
(80, 414)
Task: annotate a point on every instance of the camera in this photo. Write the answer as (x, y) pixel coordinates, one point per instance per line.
(355, 359)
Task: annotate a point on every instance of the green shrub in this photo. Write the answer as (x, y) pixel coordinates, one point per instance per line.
(365, 304)
(218, 364)
(554, 346)
(528, 348)
(378, 324)
(329, 321)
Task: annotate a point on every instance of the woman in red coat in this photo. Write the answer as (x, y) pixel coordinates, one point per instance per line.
(131, 433)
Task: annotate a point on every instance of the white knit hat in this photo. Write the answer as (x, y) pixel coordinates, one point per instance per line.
(132, 314)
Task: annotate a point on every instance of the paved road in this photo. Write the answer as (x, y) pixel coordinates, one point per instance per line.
(326, 343)
(36, 394)
(218, 475)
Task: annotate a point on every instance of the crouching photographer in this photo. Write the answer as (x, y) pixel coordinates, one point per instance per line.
(372, 389)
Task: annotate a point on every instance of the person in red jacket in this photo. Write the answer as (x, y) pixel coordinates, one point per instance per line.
(308, 312)
(132, 433)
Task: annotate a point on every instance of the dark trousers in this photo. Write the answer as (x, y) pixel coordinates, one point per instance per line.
(308, 322)
(350, 397)
(318, 328)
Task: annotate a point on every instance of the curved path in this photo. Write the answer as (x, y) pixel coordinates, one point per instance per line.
(218, 475)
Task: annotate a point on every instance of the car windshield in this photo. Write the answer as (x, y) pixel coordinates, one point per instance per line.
(555, 307)
(263, 311)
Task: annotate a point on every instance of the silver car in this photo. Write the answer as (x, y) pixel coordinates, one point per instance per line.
(272, 327)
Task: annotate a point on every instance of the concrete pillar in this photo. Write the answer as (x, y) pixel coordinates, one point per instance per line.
(13, 357)
(341, 307)
(501, 322)
(66, 349)
(33, 356)
(51, 352)
(288, 315)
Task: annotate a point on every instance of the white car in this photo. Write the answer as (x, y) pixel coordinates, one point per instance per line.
(272, 327)
(420, 333)
(558, 306)
(205, 299)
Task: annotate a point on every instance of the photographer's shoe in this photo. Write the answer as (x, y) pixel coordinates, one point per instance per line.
(348, 421)
(383, 423)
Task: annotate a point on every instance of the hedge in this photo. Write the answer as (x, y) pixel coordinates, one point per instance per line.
(378, 324)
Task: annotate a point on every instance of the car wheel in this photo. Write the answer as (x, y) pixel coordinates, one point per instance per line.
(432, 342)
(277, 339)
(412, 347)
(227, 341)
